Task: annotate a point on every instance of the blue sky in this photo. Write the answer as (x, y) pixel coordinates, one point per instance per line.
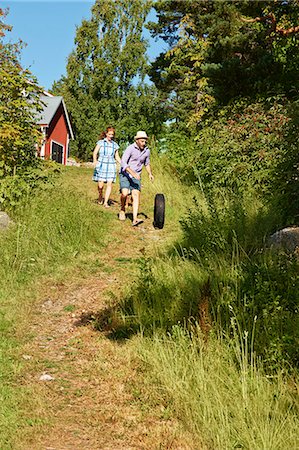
(48, 28)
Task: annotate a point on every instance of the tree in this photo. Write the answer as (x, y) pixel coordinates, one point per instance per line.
(105, 81)
(19, 101)
(221, 50)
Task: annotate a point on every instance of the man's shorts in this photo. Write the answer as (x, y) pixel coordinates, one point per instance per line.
(127, 182)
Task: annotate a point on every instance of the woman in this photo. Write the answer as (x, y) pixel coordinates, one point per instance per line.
(105, 156)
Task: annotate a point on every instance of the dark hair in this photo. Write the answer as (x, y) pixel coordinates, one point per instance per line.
(104, 133)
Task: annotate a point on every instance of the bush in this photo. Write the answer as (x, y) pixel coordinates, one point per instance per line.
(18, 188)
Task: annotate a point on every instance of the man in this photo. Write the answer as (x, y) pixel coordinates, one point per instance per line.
(134, 158)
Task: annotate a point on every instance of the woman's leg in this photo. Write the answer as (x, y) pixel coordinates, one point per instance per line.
(100, 189)
(107, 193)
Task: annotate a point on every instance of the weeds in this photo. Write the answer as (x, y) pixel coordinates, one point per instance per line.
(226, 402)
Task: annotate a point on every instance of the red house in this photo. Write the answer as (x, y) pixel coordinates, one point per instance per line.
(56, 128)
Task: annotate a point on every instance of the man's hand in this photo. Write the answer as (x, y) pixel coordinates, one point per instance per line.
(151, 177)
(133, 173)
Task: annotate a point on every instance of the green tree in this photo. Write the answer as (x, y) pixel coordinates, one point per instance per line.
(19, 101)
(221, 50)
(105, 81)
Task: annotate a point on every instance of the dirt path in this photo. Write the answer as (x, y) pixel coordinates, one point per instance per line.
(96, 398)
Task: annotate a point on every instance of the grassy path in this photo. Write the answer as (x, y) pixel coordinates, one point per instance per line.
(97, 398)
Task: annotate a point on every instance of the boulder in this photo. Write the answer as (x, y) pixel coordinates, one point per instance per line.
(5, 220)
(287, 239)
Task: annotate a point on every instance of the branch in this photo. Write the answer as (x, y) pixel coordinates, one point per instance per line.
(286, 32)
(270, 17)
(260, 19)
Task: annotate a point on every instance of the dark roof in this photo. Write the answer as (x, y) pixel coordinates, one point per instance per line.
(51, 104)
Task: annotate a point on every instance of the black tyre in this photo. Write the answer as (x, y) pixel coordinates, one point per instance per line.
(159, 211)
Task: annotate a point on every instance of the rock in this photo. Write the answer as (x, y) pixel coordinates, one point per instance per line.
(72, 162)
(287, 239)
(46, 377)
(5, 220)
(47, 303)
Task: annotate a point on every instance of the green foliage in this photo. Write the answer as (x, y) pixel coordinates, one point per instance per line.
(248, 147)
(270, 293)
(105, 84)
(283, 191)
(165, 296)
(20, 170)
(19, 102)
(18, 188)
(222, 266)
(220, 51)
(228, 241)
(224, 401)
(240, 148)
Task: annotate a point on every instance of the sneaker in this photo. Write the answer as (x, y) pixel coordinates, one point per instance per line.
(122, 215)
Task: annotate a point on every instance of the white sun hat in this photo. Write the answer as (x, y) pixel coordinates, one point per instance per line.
(141, 135)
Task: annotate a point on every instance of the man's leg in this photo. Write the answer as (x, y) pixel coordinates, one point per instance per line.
(123, 200)
(100, 189)
(136, 198)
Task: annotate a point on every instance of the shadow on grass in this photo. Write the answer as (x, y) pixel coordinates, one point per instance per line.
(107, 321)
(129, 216)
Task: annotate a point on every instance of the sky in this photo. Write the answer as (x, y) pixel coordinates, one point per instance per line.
(48, 28)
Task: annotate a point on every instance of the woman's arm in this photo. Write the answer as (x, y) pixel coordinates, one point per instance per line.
(95, 154)
(117, 157)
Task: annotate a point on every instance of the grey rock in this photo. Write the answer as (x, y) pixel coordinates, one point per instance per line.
(46, 377)
(5, 220)
(48, 303)
(286, 239)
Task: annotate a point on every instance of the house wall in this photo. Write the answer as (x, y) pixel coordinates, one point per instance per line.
(58, 132)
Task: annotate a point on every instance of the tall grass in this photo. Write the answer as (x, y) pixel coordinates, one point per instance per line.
(170, 291)
(178, 197)
(222, 276)
(50, 233)
(57, 225)
(221, 398)
(222, 261)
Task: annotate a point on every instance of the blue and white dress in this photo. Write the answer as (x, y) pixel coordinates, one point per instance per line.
(105, 169)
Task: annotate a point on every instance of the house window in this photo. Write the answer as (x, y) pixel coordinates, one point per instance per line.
(57, 152)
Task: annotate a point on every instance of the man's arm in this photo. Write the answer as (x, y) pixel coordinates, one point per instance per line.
(133, 173)
(149, 171)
